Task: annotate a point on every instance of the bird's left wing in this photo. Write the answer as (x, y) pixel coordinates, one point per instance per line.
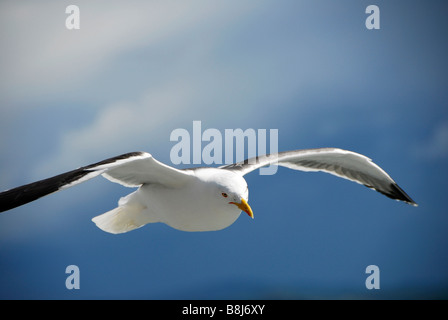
(342, 163)
(130, 169)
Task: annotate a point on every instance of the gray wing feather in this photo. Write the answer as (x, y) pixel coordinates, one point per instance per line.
(342, 163)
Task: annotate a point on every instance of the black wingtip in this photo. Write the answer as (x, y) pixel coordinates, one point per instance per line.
(19, 196)
(398, 194)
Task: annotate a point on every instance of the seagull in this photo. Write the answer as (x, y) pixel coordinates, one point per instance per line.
(200, 198)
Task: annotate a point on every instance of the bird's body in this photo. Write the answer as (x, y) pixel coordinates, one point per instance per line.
(197, 199)
(196, 205)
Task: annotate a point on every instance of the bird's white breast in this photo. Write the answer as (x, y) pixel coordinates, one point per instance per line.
(196, 206)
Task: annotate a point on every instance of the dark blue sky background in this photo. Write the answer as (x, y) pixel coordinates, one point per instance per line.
(137, 70)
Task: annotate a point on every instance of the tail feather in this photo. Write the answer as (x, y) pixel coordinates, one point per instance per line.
(122, 219)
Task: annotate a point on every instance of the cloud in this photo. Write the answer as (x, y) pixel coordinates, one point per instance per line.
(118, 128)
(47, 62)
(41, 57)
(151, 67)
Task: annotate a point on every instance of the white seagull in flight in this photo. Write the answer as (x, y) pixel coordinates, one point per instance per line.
(197, 199)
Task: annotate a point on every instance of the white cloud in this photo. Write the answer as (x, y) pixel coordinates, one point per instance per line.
(208, 60)
(118, 128)
(41, 57)
(42, 60)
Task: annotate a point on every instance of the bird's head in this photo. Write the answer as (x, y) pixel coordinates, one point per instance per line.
(233, 191)
(239, 201)
(227, 190)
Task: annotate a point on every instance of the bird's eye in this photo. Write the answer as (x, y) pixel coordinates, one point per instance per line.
(225, 195)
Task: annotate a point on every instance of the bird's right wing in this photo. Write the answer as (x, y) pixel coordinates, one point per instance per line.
(130, 169)
(342, 163)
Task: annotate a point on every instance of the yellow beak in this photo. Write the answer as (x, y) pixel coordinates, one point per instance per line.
(244, 206)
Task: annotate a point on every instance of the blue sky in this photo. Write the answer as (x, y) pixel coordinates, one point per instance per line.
(137, 70)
